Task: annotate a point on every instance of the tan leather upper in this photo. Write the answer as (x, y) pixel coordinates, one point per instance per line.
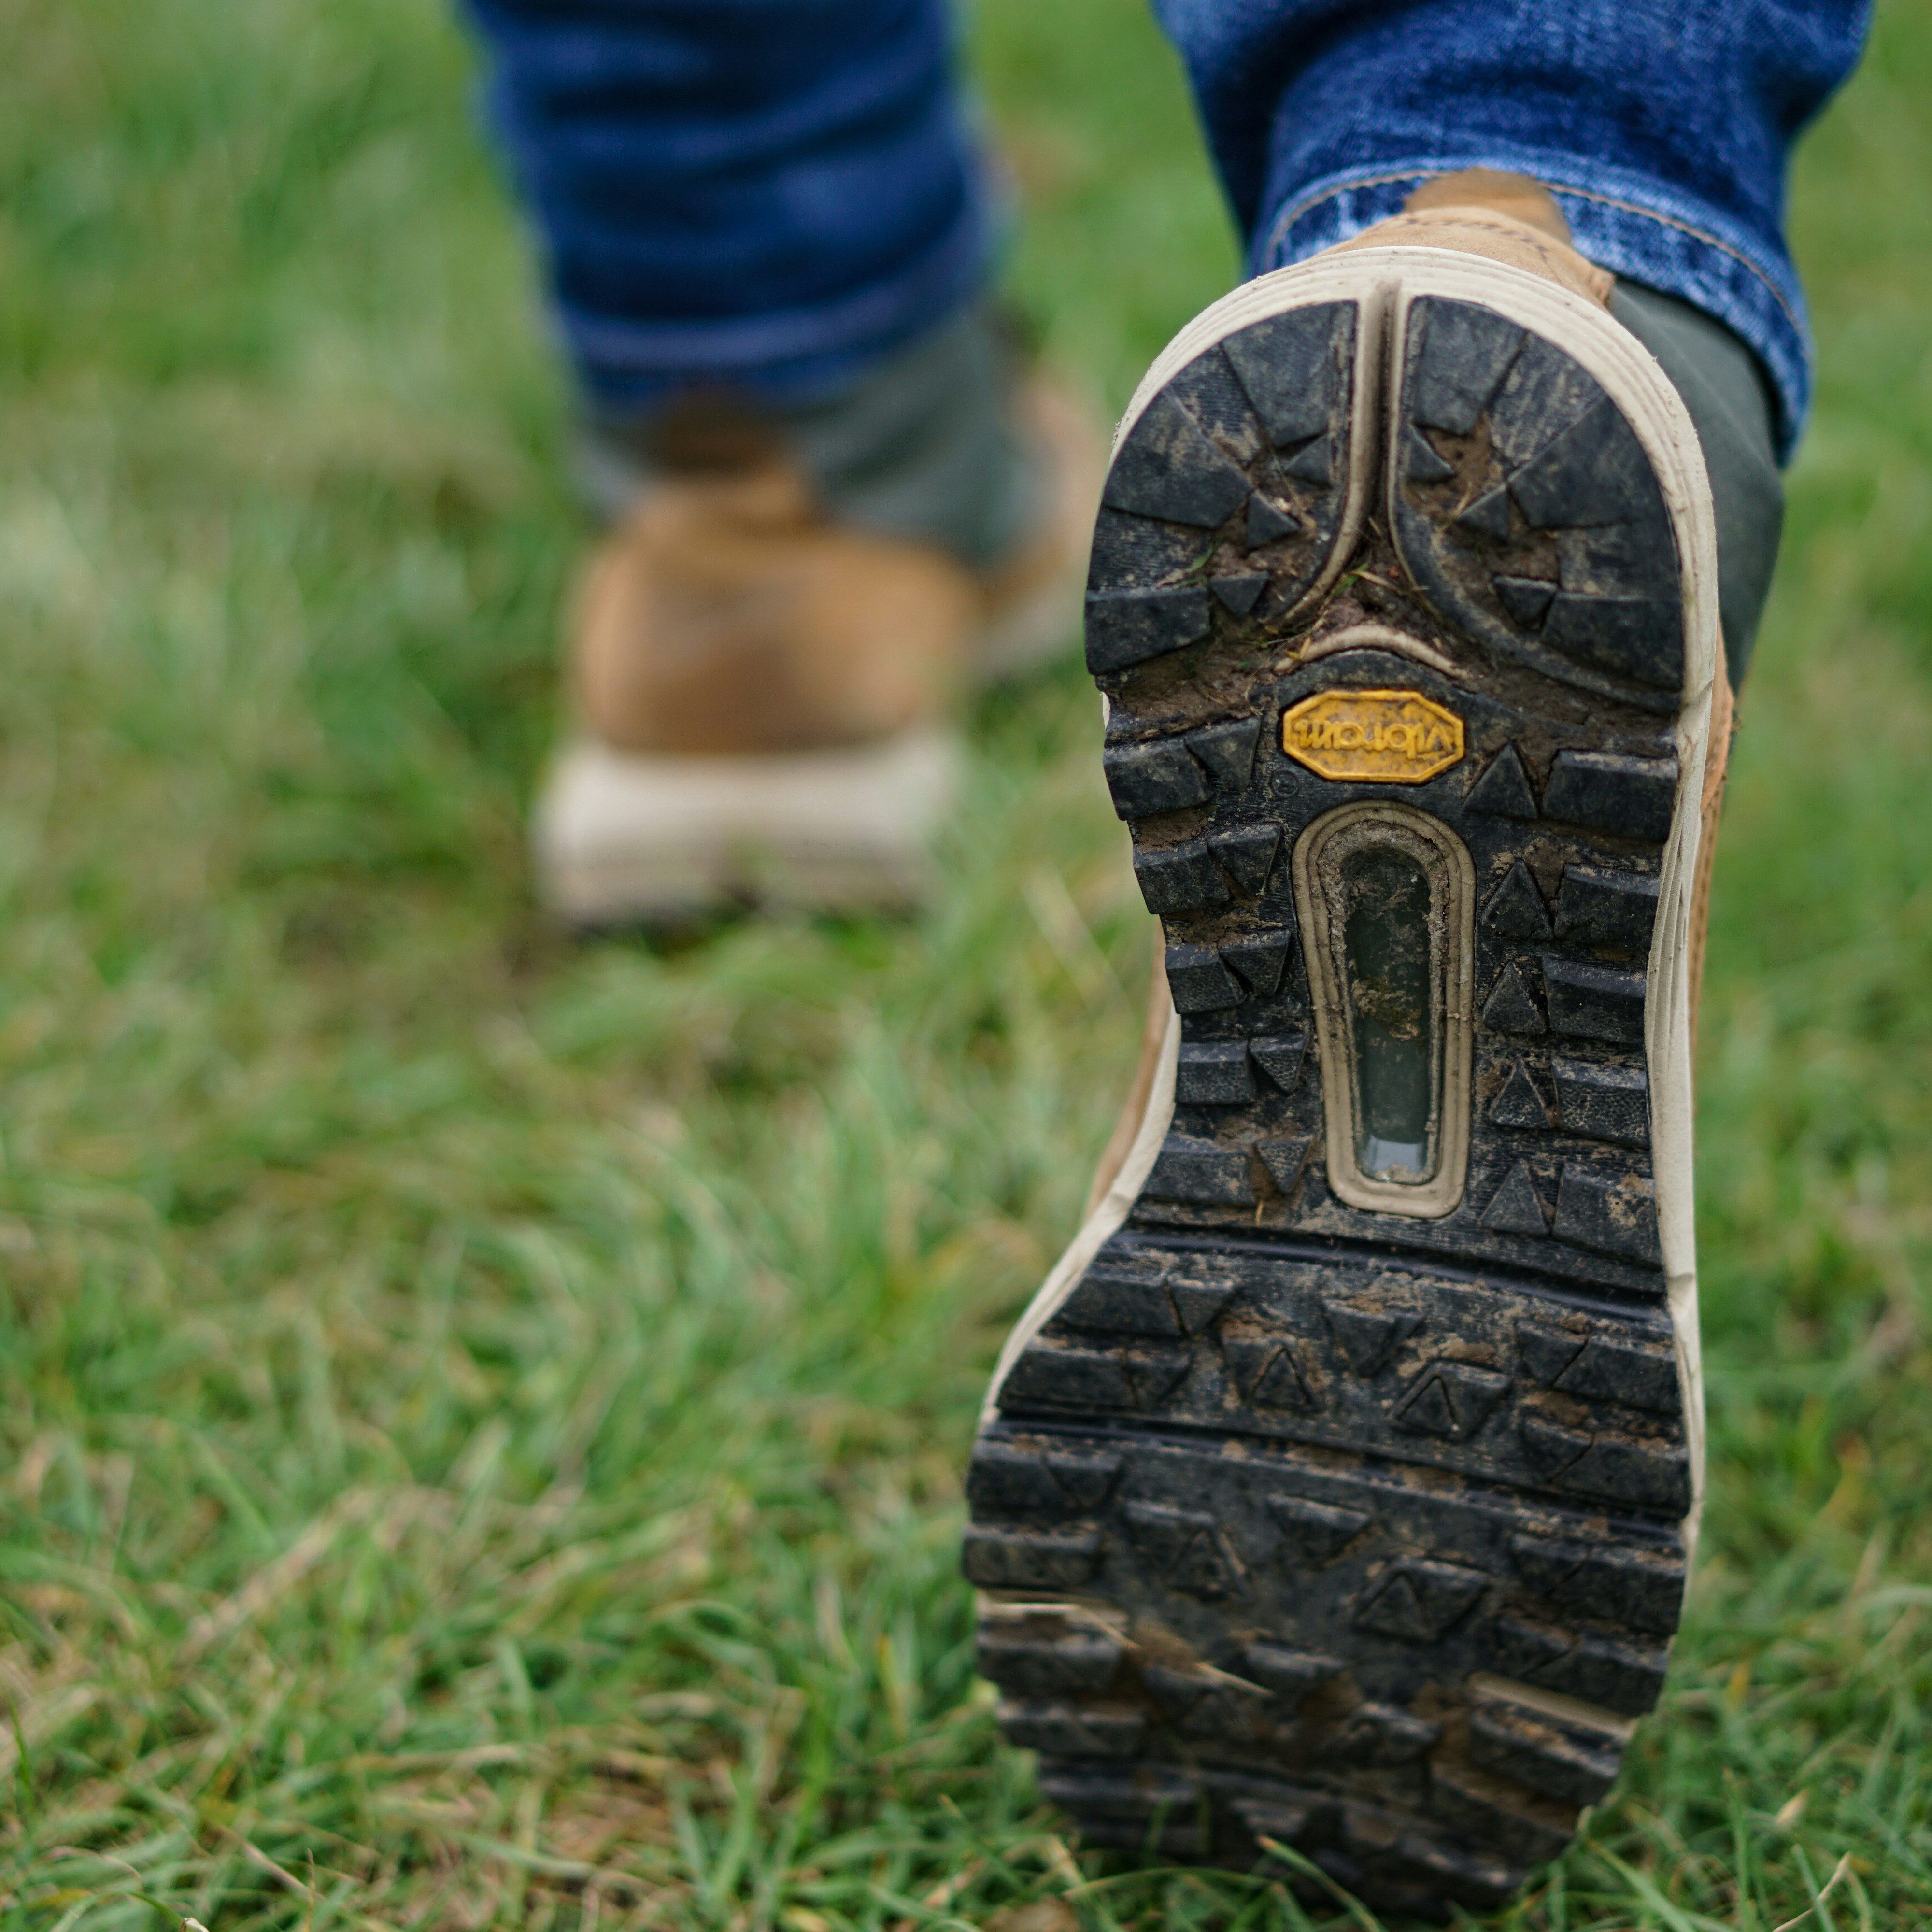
(728, 614)
(1517, 197)
(1504, 217)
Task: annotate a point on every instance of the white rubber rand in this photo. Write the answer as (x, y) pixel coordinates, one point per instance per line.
(1383, 282)
(625, 837)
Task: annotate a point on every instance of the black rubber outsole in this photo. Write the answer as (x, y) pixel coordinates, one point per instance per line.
(1311, 1523)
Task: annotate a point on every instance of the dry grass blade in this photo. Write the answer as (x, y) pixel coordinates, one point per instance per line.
(44, 1718)
(1844, 1865)
(275, 1580)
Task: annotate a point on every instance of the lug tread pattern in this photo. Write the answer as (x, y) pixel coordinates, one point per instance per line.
(1245, 452)
(1304, 1620)
(1408, 1362)
(1528, 511)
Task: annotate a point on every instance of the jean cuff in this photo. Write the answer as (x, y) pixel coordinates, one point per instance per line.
(1636, 227)
(793, 356)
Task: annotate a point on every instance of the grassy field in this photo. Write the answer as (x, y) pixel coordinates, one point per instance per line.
(480, 1418)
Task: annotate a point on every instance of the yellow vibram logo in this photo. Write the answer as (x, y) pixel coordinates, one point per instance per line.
(1378, 737)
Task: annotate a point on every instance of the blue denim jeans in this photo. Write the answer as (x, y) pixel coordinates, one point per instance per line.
(776, 194)
(770, 195)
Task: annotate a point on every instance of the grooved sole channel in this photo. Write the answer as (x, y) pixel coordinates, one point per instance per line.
(1336, 1501)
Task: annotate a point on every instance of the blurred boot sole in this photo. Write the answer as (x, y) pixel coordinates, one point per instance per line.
(637, 839)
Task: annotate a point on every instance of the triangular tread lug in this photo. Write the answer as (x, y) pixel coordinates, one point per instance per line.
(1516, 1208)
(1520, 1104)
(1504, 789)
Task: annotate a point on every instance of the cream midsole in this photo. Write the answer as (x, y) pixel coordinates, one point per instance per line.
(620, 833)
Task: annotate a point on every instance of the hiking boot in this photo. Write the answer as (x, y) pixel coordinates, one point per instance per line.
(764, 692)
(1336, 1491)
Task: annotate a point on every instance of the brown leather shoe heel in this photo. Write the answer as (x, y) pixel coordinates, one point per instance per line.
(763, 696)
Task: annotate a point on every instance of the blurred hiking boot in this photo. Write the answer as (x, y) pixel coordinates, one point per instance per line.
(1338, 1490)
(770, 645)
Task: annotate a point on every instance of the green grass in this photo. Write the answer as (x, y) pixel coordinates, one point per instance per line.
(481, 1418)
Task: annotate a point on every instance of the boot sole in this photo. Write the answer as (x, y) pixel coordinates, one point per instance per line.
(1336, 1492)
(625, 838)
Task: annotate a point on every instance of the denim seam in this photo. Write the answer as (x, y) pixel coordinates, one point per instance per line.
(1696, 234)
(1295, 211)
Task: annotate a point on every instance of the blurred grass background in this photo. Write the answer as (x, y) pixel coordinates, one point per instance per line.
(480, 1418)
